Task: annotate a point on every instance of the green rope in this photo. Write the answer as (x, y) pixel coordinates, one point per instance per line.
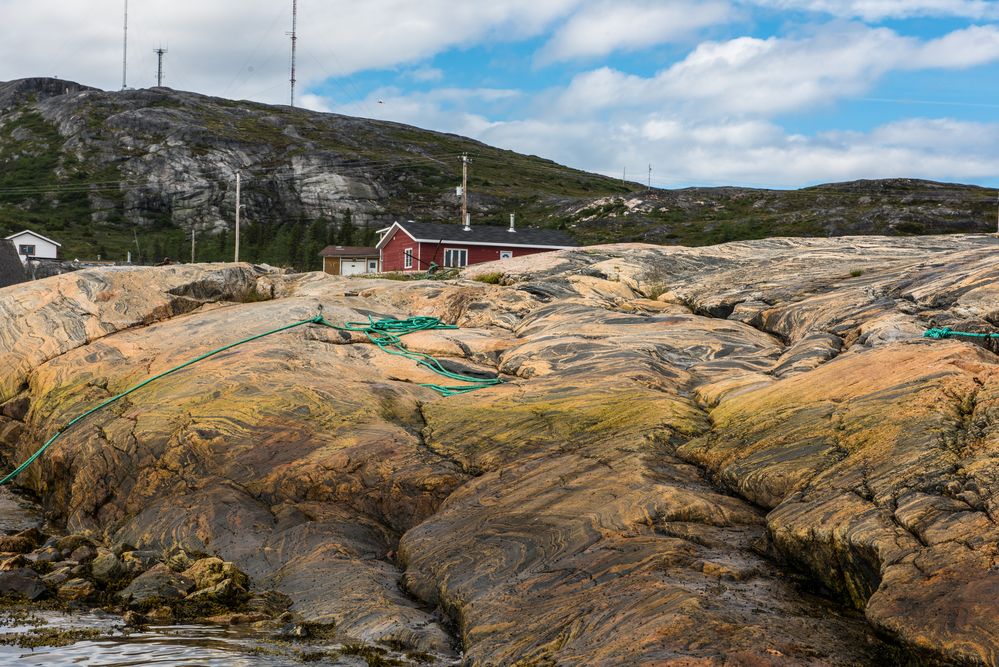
(387, 335)
(947, 332)
(384, 333)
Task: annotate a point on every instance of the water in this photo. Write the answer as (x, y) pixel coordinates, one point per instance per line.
(175, 645)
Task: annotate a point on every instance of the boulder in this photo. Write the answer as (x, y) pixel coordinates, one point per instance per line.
(57, 577)
(76, 590)
(208, 572)
(136, 562)
(83, 553)
(225, 592)
(106, 567)
(69, 543)
(22, 583)
(159, 583)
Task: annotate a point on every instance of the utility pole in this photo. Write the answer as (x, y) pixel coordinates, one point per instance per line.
(624, 174)
(124, 50)
(238, 206)
(294, 39)
(650, 176)
(192, 242)
(997, 215)
(159, 65)
(464, 190)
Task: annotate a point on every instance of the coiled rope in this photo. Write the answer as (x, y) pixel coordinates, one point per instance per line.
(947, 332)
(386, 334)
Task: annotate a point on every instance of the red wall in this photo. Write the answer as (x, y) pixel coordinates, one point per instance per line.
(392, 253)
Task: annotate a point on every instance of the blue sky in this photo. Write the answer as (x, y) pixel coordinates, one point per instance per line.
(777, 93)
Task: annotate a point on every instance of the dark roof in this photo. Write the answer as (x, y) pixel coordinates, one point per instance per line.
(348, 251)
(493, 234)
(11, 269)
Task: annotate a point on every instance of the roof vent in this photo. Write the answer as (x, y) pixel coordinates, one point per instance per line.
(512, 226)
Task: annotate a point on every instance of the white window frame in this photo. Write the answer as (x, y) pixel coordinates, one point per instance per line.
(449, 256)
(506, 254)
(407, 258)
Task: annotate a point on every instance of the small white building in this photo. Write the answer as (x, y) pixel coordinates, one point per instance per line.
(34, 246)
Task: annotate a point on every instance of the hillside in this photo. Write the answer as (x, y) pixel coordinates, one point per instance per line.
(106, 173)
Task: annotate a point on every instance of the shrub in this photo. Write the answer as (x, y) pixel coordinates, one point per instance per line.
(493, 278)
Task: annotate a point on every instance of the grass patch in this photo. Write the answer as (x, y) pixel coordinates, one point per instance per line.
(493, 278)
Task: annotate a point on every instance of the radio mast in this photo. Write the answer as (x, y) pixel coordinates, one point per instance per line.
(124, 51)
(294, 39)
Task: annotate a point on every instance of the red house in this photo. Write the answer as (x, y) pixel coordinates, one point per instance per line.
(413, 246)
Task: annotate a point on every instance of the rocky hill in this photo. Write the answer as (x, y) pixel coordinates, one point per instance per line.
(745, 454)
(111, 172)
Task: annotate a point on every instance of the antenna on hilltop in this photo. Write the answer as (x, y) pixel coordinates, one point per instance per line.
(159, 65)
(294, 39)
(124, 50)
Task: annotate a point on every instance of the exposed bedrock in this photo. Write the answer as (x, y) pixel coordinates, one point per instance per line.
(743, 454)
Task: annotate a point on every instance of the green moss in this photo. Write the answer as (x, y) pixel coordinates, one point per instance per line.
(489, 278)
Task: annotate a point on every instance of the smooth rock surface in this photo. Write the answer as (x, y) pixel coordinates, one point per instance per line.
(741, 454)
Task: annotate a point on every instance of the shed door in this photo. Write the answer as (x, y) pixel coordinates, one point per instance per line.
(352, 267)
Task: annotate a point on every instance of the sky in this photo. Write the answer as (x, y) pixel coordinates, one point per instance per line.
(764, 93)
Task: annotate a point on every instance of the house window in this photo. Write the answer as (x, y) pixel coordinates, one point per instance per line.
(373, 265)
(26, 250)
(506, 254)
(407, 258)
(455, 257)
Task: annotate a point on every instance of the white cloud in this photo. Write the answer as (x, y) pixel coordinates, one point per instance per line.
(427, 74)
(604, 27)
(877, 10)
(237, 48)
(778, 75)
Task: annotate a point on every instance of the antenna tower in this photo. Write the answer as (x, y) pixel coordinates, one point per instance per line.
(124, 50)
(294, 39)
(159, 65)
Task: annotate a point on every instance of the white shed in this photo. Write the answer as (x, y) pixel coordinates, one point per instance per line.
(31, 246)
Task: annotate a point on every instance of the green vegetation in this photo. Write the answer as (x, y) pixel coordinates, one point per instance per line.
(489, 278)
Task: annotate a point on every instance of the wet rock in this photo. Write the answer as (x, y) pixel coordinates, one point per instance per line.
(13, 562)
(136, 562)
(76, 590)
(294, 631)
(133, 619)
(208, 572)
(106, 567)
(119, 548)
(22, 583)
(179, 561)
(57, 577)
(69, 543)
(46, 555)
(225, 592)
(238, 618)
(83, 553)
(158, 583)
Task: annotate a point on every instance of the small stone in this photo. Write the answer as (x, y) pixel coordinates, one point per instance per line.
(13, 562)
(106, 567)
(76, 589)
(83, 553)
(179, 561)
(224, 592)
(57, 577)
(23, 583)
(134, 619)
(296, 630)
(208, 572)
(46, 555)
(121, 547)
(71, 542)
(159, 583)
(136, 562)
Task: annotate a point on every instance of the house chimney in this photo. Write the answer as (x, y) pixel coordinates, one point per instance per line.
(512, 228)
(468, 223)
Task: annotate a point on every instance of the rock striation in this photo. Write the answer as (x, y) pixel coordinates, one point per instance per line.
(737, 454)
